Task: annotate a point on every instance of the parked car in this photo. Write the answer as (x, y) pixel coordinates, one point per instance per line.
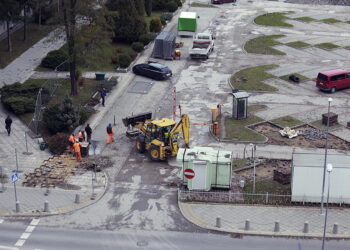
(333, 80)
(222, 1)
(152, 70)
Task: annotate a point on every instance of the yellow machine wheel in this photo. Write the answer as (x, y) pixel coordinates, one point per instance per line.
(140, 144)
(154, 153)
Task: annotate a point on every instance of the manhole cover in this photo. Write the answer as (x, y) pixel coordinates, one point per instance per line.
(140, 87)
(142, 243)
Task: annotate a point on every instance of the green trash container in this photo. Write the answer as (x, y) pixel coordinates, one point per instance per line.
(42, 146)
(100, 76)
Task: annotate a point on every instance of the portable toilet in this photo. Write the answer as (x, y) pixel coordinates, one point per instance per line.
(187, 24)
(240, 105)
(205, 167)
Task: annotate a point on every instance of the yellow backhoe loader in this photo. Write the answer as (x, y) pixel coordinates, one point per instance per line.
(158, 137)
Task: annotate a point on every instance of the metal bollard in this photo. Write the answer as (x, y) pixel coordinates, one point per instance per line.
(77, 199)
(46, 206)
(247, 225)
(306, 227)
(277, 227)
(218, 221)
(18, 209)
(335, 228)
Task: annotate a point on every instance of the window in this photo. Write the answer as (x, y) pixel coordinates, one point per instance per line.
(338, 77)
(322, 77)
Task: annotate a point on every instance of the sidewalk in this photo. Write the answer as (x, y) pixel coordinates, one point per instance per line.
(263, 218)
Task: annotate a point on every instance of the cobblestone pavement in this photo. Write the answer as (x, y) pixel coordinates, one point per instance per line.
(262, 219)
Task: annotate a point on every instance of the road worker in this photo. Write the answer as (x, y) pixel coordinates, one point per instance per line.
(110, 134)
(77, 153)
(81, 136)
(71, 141)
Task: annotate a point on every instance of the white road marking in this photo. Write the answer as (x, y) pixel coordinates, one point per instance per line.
(8, 248)
(1, 221)
(34, 222)
(20, 243)
(25, 236)
(30, 229)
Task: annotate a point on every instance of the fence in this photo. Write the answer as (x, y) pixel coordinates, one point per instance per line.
(245, 198)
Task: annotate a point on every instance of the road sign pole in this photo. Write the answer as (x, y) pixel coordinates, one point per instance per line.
(16, 160)
(14, 184)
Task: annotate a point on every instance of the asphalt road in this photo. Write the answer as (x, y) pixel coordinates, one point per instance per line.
(44, 238)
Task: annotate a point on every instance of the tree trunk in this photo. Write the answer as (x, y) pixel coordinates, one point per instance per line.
(25, 22)
(39, 10)
(9, 44)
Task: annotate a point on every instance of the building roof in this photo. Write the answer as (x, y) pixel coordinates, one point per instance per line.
(240, 94)
(317, 160)
(192, 15)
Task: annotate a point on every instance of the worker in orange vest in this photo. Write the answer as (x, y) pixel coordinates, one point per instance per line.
(77, 147)
(81, 136)
(110, 134)
(71, 141)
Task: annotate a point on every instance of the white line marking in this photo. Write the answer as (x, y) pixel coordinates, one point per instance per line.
(25, 236)
(20, 243)
(34, 222)
(8, 248)
(30, 229)
(1, 221)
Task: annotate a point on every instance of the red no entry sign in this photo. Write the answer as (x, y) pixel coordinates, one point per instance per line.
(189, 173)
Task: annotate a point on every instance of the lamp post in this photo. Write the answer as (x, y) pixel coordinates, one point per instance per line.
(253, 156)
(325, 155)
(329, 170)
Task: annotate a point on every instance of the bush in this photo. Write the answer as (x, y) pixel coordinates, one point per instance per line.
(124, 60)
(58, 143)
(171, 6)
(137, 46)
(155, 25)
(166, 17)
(147, 38)
(19, 104)
(51, 121)
(85, 113)
(55, 58)
(132, 54)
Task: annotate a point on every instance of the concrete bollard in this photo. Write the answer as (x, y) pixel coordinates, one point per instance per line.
(247, 225)
(277, 227)
(46, 206)
(218, 221)
(77, 199)
(335, 228)
(18, 209)
(306, 227)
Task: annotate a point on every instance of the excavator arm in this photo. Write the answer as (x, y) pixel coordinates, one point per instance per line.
(184, 126)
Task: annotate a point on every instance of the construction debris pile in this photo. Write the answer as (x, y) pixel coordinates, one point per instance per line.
(313, 133)
(288, 132)
(52, 172)
(96, 163)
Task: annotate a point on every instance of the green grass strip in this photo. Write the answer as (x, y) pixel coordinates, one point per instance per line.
(263, 44)
(251, 79)
(305, 19)
(287, 121)
(330, 20)
(327, 45)
(272, 19)
(301, 77)
(298, 44)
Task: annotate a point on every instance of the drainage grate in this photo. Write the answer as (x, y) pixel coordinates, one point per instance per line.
(140, 87)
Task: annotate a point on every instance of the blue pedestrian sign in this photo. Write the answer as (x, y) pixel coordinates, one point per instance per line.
(14, 177)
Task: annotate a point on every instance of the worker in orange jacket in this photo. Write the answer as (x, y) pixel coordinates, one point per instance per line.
(110, 134)
(71, 142)
(77, 147)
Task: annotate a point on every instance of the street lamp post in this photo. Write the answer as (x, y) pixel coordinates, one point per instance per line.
(329, 170)
(253, 156)
(325, 155)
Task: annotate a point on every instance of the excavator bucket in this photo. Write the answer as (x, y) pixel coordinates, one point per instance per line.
(133, 120)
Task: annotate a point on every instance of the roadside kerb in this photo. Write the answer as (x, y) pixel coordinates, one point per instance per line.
(188, 214)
